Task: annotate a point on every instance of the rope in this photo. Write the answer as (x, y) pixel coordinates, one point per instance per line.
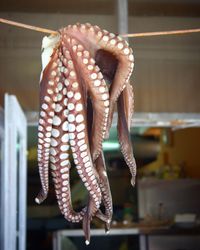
(26, 26)
(162, 33)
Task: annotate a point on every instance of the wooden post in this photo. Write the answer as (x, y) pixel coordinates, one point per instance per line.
(122, 16)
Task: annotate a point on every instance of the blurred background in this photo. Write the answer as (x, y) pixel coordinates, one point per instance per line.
(162, 211)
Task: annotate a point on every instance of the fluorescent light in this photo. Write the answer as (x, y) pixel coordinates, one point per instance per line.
(110, 145)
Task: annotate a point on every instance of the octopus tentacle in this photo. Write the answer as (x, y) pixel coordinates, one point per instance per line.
(123, 53)
(84, 89)
(48, 94)
(121, 70)
(123, 130)
(60, 165)
(128, 103)
(59, 159)
(102, 176)
(78, 135)
(121, 78)
(79, 140)
(99, 95)
(105, 190)
(97, 39)
(100, 170)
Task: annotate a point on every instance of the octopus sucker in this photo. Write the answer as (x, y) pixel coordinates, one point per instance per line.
(85, 73)
(48, 94)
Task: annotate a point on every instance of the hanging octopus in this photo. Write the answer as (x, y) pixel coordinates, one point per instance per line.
(86, 71)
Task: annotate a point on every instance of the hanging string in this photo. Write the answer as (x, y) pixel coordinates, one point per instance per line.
(162, 33)
(26, 26)
(144, 34)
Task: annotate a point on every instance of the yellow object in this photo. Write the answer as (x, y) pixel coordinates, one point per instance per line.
(183, 150)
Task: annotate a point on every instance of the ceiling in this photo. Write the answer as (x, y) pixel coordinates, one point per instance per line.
(136, 7)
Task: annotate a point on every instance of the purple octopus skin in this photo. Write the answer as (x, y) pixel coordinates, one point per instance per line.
(85, 63)
(124, 105)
